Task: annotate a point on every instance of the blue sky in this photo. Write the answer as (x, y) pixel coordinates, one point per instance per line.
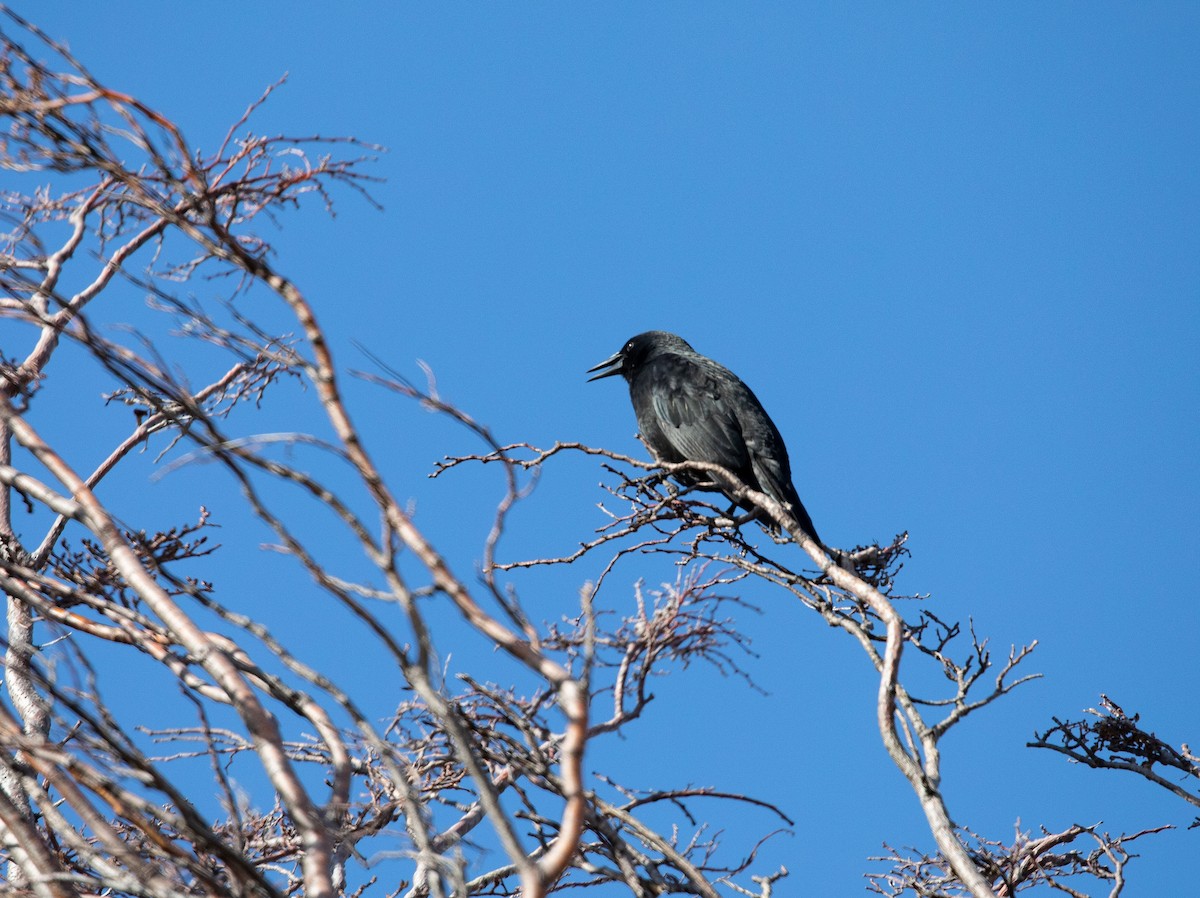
(954, 249)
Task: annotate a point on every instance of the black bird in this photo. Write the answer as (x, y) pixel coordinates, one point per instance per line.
(689, 408)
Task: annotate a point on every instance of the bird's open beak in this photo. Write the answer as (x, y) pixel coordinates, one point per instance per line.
(613, 364)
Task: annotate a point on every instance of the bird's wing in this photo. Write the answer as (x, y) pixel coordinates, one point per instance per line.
(768, 457)
(769, 461)
(696, 414)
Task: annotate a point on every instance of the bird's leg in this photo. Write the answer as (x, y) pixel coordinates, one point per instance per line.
(674, 499)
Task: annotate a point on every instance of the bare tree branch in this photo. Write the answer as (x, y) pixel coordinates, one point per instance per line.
(1115, 741)
(476, 783)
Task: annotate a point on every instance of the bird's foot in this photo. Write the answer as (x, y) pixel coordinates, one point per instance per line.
(732, 521)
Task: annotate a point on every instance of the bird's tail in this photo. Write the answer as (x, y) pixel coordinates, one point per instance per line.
(803, 518)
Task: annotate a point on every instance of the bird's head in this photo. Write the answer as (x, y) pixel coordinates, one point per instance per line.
(637, 351)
